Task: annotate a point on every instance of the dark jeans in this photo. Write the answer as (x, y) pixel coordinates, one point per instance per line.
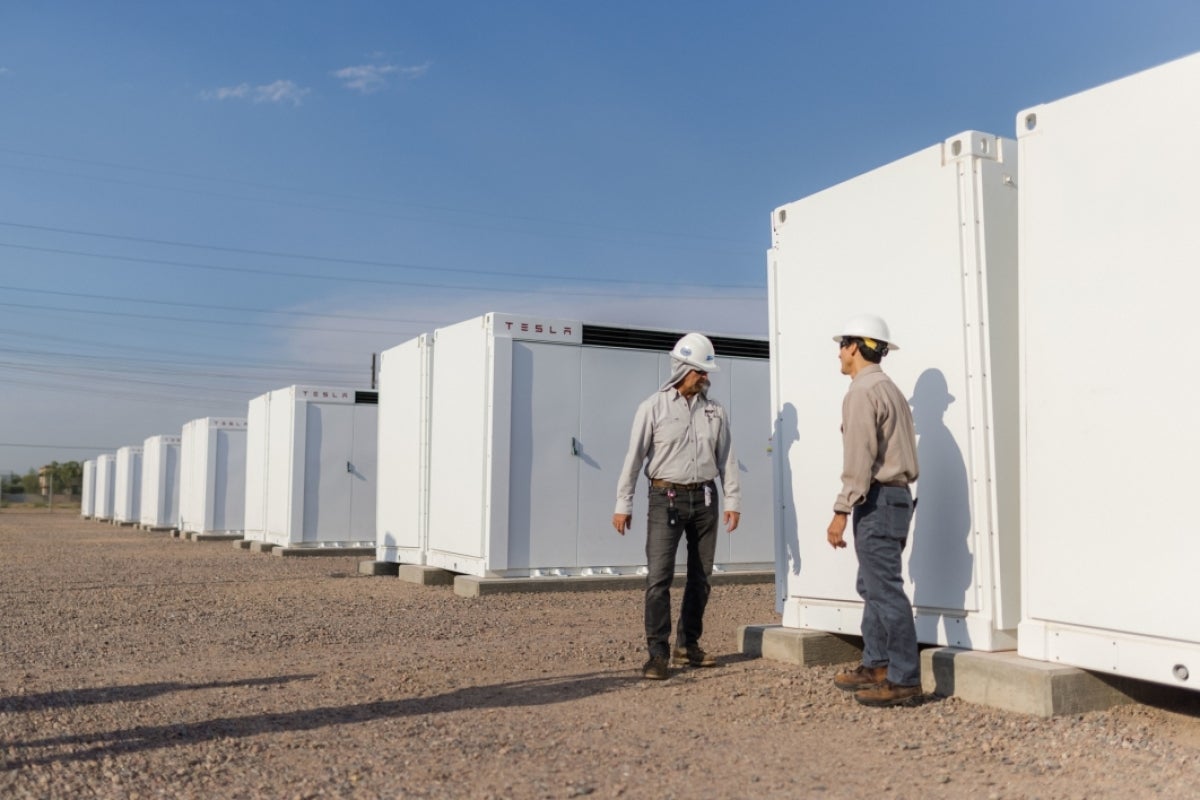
(880, 533)
(698, 523)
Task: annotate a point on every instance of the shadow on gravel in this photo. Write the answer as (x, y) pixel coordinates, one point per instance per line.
(68, 698)
(534, 692)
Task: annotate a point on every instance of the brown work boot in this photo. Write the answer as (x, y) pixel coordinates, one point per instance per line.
(656, 669)
(889, 694)
(863, 677)
(693, 655)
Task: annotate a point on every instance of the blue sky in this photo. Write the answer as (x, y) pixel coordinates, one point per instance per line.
(201, 202)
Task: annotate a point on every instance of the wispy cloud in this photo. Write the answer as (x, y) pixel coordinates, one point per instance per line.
(278, 92)
(5, 71)
(368, 78)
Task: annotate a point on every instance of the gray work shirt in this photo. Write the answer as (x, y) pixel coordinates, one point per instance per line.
(681, 443)
(879, 442)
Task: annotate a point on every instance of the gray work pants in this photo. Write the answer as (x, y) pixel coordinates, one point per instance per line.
(880, 533)
(697, 524)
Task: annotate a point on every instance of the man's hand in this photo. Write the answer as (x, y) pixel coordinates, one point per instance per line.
(621, 522)
(731, 520)
(837, 531)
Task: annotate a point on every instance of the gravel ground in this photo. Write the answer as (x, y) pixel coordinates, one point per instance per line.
(133, 665)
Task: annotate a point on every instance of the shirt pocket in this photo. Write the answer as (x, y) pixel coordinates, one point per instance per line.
(670, 431)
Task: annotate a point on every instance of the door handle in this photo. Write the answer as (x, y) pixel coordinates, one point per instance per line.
(574, 446)
(349, 467)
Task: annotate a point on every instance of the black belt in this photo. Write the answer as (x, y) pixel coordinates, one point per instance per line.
(679, 487)
(891, 484)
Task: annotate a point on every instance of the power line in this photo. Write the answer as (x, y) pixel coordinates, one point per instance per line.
(132, 315)
(241, 309)
(357, 198)
(58, 446)
(351, 261)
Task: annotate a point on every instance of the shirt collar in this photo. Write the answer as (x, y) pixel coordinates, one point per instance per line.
(869, 369)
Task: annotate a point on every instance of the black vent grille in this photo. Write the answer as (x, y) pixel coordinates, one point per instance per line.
(367, 398)
(726, 346)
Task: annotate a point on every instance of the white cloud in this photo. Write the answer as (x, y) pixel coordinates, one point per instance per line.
(368, 78)
(278, 92)
(5, 71)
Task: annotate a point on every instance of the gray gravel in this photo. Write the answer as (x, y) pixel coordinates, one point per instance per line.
(133, 665)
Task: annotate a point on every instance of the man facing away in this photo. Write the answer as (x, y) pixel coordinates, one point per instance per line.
(879, 462)
(683, 438)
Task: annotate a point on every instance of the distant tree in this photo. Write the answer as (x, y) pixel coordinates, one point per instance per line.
(29, 482)
(12, 484)
(68, 478)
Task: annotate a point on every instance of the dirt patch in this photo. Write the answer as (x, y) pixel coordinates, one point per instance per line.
(137, 665)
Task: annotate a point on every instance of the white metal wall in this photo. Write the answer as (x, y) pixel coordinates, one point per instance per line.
(159, 507)
(534, 431)
(929, 243)
(320, 473)
(1109, 238)
(105, 475)
(257, 444)
(127, 484)
(402, 505)
(87, 497)
(213, 475)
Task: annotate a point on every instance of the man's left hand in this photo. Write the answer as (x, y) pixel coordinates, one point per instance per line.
(731, 520)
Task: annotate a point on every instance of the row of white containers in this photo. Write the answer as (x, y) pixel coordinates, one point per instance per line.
(512, 472)
(135, 485)
(1047, 389)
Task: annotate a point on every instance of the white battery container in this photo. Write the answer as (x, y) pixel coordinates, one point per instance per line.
(529, 425)
(928, 243)
(127, 485)
(212, 475)
(402, 507)
(105, 475)
(320, 467)
(160, 483)
(1109, 240)
(87, 491)
(257, 438)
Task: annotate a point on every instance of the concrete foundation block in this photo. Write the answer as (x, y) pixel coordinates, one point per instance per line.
(425, 575)
(1007, 681)
(475, 586)
(319, 552)
(242, 544)
(215, 537)
(798, 646)
(261, 547)
(378, 568)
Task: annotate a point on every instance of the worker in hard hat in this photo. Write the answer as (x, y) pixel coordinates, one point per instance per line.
(682, 437)
(879, 463)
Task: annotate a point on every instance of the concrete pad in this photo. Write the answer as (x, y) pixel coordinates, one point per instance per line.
(215, 537)
(261, 547)
(425, 575)
(378, 568)
(474, 586)
(798, 646)
(1007, 681)
(242, 544)
(295, 552)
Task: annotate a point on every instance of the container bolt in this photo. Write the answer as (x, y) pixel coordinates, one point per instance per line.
(1180, 672)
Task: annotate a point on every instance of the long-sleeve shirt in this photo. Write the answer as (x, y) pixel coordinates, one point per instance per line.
(680, 442)
(879, 442)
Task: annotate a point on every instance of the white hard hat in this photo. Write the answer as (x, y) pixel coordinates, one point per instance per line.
(696, 350)
(868, 326)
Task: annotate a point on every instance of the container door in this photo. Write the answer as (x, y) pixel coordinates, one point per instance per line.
(169, 491)
(544, 473)
(328, 434)
(750, 420)
(363, 476)
(614, 383)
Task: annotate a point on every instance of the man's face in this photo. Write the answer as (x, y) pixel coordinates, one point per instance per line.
(695, 381)
(846, 351)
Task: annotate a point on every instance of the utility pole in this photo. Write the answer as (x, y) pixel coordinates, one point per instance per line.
(51, 491)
